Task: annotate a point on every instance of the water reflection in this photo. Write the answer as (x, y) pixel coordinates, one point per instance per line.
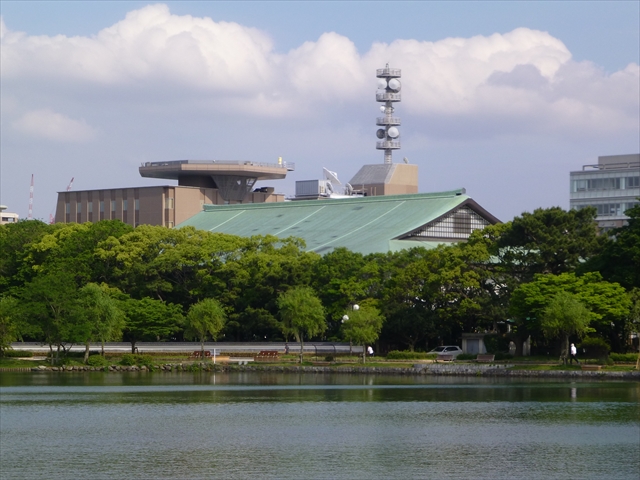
(249, 425)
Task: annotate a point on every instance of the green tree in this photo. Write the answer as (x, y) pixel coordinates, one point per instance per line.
(102, 315)
(302, 313)
(608, 303)
(619, 260)
(564, 316)
(150, 320)
(363, 326)
(8, 324)
(207, 317)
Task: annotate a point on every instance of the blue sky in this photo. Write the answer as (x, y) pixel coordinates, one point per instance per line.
(523, 93)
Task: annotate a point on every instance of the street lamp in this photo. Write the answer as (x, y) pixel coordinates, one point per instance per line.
(355, 307)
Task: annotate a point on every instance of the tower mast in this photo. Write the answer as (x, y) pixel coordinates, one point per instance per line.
(388, 93)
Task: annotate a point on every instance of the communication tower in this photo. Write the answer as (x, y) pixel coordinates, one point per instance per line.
(388, 93)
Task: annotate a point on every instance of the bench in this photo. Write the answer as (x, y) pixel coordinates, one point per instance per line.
(196, 353)
(591, 367)
(444, 357)
(267, 356)
(240, 360)
(485, 358)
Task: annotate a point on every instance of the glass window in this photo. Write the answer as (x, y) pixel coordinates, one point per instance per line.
(101, 206)
(124, 205)
(137, 204)
(78, 207)
(113, 205)
(90, 207)
(632, 182)
(67, 208)
(169, 202)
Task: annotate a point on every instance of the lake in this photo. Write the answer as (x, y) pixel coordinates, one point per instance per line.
(161, 425)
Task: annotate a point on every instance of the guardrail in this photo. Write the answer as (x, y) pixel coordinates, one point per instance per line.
(288, 165)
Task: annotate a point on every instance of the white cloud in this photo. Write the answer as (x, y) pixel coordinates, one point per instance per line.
(524, 75)
(54, 126)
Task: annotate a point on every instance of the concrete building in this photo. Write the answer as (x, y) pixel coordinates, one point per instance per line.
(199, 183)
(7, 217)
(612, 186)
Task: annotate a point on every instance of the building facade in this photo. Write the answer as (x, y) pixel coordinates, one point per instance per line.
(612, 186)
(157, 205)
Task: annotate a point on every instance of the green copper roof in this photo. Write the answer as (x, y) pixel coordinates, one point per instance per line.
(361, 224)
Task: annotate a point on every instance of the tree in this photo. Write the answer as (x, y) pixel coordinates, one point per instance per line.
(302, 313)
(206, 317)
(363, 326)
(563, 316)
(150, 319)
(105, 320)
(8, 324)
(608, 303)
(619, 260)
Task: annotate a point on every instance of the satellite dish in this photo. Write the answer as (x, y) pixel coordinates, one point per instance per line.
(382, 109)
(348, 188)
(393, 132)
(331, 176)
(329, 187)
(394, 84)
(381, 133)
(382, 84)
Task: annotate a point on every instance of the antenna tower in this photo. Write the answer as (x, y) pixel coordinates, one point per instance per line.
(30, 215)
(70, 184)
(388, 93)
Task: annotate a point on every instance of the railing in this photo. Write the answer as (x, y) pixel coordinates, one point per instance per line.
(387, 144)
(288, 165)
(388, 97)
(388, 121)
(388, 72)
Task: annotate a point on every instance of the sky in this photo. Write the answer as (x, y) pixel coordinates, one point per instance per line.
(501, 98)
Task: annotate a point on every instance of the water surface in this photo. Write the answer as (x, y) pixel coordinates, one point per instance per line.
(267, 425)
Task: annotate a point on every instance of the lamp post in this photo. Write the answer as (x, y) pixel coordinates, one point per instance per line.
(355, 307)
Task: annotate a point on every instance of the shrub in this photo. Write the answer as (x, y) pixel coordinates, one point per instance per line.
(17, 353)
(624, 357)
(97, 361)
(502, 356)
(496, 343)
(129, 359)
(595, 347)
(329, 358)
(405, 355)
(466, 356)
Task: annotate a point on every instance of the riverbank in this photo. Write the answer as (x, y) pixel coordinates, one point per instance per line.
(498, 370)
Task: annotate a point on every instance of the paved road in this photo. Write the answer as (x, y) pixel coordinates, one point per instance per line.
(325, 348)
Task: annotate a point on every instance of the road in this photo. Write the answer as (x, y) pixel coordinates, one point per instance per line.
(325, 348)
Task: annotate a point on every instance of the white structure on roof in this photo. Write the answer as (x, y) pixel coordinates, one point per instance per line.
(388, 93)
(6, 217)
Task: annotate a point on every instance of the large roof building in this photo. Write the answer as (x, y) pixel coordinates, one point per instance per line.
(361, 224)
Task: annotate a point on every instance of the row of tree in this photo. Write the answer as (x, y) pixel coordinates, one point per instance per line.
(547, 274)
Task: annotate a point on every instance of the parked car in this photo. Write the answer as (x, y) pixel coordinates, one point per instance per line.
(447, 350)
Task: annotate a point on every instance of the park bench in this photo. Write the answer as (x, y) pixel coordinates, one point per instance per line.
(590, 368)
(267, 356)
(196, 353)
(444, 357)
(485, 358)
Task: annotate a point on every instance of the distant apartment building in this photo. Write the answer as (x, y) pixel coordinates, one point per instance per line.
(7, 217)
(612, 186)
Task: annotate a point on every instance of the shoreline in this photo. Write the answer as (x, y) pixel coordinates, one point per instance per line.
(459, 370)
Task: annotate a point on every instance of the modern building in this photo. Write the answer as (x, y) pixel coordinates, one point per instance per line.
(7, 217)
(199, 183)
(371, 224)
(612, 186)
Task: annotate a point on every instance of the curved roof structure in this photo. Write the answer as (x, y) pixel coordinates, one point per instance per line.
(361, 224)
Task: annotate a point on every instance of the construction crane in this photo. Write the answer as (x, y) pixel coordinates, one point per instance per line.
(70, 184)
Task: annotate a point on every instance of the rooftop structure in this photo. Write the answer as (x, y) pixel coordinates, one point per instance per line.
(7, 217)
(361, 224)
(388, 93)
(612, 186)
(233, 179)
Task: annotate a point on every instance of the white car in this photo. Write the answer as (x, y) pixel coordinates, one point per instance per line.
(447, 350)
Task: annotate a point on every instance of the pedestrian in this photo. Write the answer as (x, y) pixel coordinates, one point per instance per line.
(370, 351)
(286, 348)
(573, 357)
